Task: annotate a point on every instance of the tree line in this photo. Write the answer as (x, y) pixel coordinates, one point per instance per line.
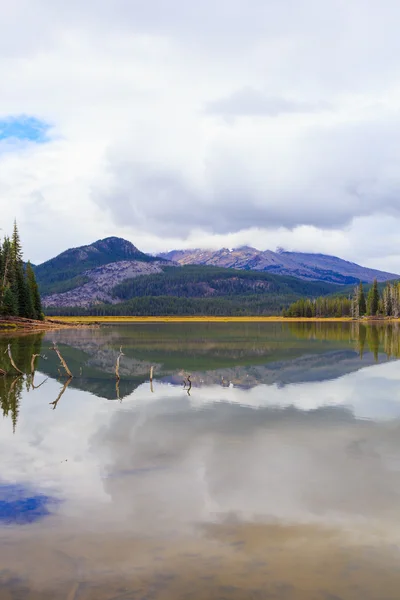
(383, 303)
(19, 292)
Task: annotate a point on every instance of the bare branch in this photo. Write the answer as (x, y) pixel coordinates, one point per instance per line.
(64, 364)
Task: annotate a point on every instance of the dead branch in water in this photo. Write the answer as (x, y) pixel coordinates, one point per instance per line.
(117, 363)
(64, 364)
(12, 360)
(2, 372)
(66, 384)
(151, 378)
(34, 357)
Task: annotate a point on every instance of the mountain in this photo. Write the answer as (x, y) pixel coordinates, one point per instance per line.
(307, 266)
(187, 290)
(78, 266)
(111, 276)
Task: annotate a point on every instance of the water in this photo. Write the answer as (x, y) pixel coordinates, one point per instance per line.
(276, 475)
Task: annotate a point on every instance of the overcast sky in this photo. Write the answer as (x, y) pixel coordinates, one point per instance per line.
(181, 124)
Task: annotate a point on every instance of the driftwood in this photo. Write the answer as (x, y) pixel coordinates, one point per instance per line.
(117, 363)
(56, 401)
(12, 360)
(64, 364)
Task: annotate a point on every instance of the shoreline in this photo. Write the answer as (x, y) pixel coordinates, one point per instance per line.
(205, 319)
(22, 325)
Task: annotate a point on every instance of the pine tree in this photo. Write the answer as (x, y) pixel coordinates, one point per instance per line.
(16, 245)
(9, 305)
(373, 299)
(19, 293)
(362, 307)
(34, 291)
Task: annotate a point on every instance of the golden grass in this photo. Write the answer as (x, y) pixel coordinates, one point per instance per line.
(130, 319)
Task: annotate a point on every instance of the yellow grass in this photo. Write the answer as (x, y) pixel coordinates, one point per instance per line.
(129, 319)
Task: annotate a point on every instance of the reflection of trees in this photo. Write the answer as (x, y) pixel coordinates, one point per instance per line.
(379, 337)
(12, 384)
(10, 397)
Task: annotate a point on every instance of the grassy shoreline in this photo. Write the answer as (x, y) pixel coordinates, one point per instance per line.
(205, 319)
(22, 325)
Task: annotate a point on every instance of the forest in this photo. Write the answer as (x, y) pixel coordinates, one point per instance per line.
(380, 301)
(19, 292)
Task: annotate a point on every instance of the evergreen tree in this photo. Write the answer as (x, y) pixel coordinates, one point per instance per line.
(34, 292)
(362, 306)
(373, 299)
(19, 293)
(16, 247)
(9, 305)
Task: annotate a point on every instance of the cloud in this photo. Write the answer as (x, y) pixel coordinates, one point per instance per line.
(173, 124)
(248, 102)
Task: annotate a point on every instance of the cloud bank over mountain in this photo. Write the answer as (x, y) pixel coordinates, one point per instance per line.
(262, 123)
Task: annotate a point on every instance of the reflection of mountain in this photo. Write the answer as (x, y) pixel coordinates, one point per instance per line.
(320, 367)
(242, 354)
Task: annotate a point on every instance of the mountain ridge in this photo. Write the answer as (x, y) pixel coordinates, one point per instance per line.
(113, 272)
(303, 265)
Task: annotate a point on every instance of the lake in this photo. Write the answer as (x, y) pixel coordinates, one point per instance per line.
(261, 462)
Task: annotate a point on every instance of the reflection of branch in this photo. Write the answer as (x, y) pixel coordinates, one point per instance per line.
(12, 386)
(66, 384)
(189, 385)
(117, 363)
(11, 359)
(36, 387)
(117, 390)
(64, 364)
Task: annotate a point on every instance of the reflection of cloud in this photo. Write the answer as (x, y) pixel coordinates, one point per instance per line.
(268, 452)
(162, 461)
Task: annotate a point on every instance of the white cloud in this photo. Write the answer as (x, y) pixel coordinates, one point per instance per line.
(262, 122)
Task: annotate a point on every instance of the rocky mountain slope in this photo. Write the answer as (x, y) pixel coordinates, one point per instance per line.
(100, 282)
(313, 267)
(115, 272)
(69, 269)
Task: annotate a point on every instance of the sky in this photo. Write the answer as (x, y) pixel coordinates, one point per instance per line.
(214, 124)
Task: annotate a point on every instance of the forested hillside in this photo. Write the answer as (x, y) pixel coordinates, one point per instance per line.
(200, 290)
(195, 281)
(19, 293)
(66, 271)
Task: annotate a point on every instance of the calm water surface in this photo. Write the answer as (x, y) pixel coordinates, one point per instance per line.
(276, 476)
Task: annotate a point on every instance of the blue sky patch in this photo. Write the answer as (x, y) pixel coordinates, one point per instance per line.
(20, 505)
(24, 128)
